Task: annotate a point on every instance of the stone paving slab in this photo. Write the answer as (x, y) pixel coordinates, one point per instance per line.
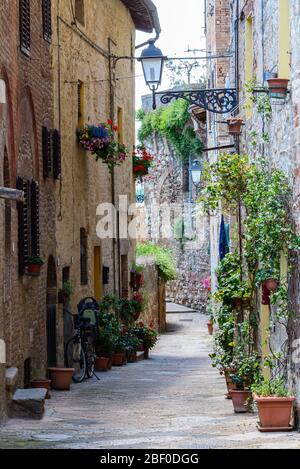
(173, 400)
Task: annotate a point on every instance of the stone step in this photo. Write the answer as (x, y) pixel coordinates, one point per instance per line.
(139, 356)
(29, 403)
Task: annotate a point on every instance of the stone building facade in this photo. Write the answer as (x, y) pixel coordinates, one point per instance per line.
(58, 74)
(263, 37)
(174, 219)
(28, 229)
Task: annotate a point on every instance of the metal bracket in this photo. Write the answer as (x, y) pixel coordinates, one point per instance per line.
(217, 101)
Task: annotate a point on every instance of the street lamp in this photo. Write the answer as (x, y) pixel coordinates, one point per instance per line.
(152, 60)
(196, 172)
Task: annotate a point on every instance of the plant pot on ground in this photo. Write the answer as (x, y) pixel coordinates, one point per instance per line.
(41, 383)
(210, 327)
(34, 265)
(278, 87)
(240, 400)
(235, 125)
(101, 363)
(274, 405)
(61, 378)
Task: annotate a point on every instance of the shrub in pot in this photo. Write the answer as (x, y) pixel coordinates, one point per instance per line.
(274, 404)
(119, 354)
(104, 347)
(133, 344)
(147, 335)
(235, 125)
(61, 378)
(34, 265)
(268, 277)
(247, 369)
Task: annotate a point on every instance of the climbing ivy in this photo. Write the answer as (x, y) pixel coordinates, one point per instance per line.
(171, 122)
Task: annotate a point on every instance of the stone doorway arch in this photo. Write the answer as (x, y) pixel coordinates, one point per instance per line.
(51, 312)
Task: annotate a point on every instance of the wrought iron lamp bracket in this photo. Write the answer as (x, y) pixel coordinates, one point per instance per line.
(217, 101)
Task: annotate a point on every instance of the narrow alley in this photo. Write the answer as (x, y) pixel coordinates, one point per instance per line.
(173, 400)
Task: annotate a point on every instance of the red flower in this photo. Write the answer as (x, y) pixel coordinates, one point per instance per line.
(110, 122)
(115, 128)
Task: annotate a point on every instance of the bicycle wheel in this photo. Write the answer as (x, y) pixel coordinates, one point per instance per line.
(90, 360)
(75, 358)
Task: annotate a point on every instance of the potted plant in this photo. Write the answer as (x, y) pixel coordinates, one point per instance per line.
(138, 302)
(66, 292)
(133, 343)
(34, 265)
(142, 161)
(104, 346)
(247, 368)
(125, 310)
(61, 378)
(268, 277)
(136, 276)
(278, 87)
(235, 125)
(274, 403)
(119, 355)
(147, 335)
(102, 141)
(41, 383)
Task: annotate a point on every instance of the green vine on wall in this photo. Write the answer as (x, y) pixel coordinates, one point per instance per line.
(171, 122)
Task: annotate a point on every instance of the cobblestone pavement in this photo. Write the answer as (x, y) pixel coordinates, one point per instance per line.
(173, 400)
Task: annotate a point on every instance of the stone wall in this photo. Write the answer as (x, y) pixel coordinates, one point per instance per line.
(29, 98)
(170, 196)
(154, 291)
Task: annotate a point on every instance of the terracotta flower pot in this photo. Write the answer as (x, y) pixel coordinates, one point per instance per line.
(41, 383)
(61, 378)
(274, 412)
(118, 359)
(132, 357)
(34, 269)
(235, 126)
(146, 354)
(271, 284)
(101, 363)
(237, 302)
(229, 383)
(240, 400)
(210, 327)
(278, 87)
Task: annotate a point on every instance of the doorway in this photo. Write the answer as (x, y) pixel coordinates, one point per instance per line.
(98, 283)
(51, 312)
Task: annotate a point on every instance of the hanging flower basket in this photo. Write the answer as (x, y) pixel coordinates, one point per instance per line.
(235, 125)
(101, 140)
(142, 161)
(278, 87)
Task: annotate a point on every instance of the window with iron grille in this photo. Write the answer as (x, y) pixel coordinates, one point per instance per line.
(83, 257)
(28, 223)
(24, 6)
(47, 27)
(51, 152)
(46, 152)
(56, 154)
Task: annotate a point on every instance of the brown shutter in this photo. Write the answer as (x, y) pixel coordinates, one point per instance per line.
(23, 228)
(24, 6)
(56, 146)
(46, 150)
(47, 27)
(34, 211)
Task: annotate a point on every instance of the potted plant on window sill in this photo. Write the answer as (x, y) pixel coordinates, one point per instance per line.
(65, 293)
(34, 265)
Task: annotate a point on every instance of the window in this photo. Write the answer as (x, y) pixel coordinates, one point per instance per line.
(79, 11)
(51, 152)
(28, 223)
(80, 103)
(124, 277)
(83, 257)
(24, 6)
(284, 45)
(47, 27)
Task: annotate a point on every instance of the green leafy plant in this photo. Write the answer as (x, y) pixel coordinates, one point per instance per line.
(147, 335)
(68, 288)
(171, 122)
(271, 388)
(37, 260)
(163, 257)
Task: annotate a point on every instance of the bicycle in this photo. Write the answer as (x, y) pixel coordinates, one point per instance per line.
(80, 350)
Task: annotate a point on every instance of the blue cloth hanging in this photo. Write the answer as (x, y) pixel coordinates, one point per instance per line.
(223, 240)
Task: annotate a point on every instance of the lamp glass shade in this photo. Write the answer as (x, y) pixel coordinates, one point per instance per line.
(153, 62)
(196, 172)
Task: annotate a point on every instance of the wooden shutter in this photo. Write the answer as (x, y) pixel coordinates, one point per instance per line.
(83, 257)
(46, 150)
(34, 222)
(47, 27)
(23, 226)
(24, 6)
(56, 146)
